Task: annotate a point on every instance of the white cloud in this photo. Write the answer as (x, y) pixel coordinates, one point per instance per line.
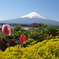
(1, 19)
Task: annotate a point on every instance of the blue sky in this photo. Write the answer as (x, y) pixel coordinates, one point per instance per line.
(10, 9)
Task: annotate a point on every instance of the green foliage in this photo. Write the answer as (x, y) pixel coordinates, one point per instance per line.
(18, 28)
(38, 36)
(0, 31)
(58, 30)
(17, 32)
(38, 25)
(27, 32)
(34, 25)
(1, 35)
(16, 35)
(51, 30)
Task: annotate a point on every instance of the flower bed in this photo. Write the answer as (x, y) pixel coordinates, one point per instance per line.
(47, 49)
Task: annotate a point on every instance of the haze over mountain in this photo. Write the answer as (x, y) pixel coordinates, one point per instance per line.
(32, 17)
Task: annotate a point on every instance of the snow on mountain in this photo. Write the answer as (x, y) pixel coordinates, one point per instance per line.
(31, 18)
(33, 15)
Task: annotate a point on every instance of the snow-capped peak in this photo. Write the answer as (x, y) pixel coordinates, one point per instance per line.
(33, 15)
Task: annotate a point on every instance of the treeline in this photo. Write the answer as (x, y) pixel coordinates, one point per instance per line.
(30, 25)
(14, 24)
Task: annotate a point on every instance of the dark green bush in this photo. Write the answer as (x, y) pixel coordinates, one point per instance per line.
(0, 31)
(18, 28)
(16, 35)
(38, 36)
(51, 30)
(27, 32)
(17, 32)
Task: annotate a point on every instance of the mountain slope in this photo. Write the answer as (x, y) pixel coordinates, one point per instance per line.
(31, 18)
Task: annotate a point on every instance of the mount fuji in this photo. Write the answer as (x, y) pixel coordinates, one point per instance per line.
(33, 15)
(30, 18)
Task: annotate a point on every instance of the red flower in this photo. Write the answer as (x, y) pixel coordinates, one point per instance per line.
(6, 29)
(23, 38)
(0, 28)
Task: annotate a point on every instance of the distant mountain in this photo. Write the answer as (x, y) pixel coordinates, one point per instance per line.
(31, 18)
(33, 15)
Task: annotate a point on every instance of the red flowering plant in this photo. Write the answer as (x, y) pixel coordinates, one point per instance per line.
(23, 39)
(7, 31)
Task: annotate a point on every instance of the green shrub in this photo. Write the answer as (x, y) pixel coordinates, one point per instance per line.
(27, 32)
(51, 30)
(38, 36)
(37, 25)
(0, 31)
(17, 32)
(18, 28)
(16, 35)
